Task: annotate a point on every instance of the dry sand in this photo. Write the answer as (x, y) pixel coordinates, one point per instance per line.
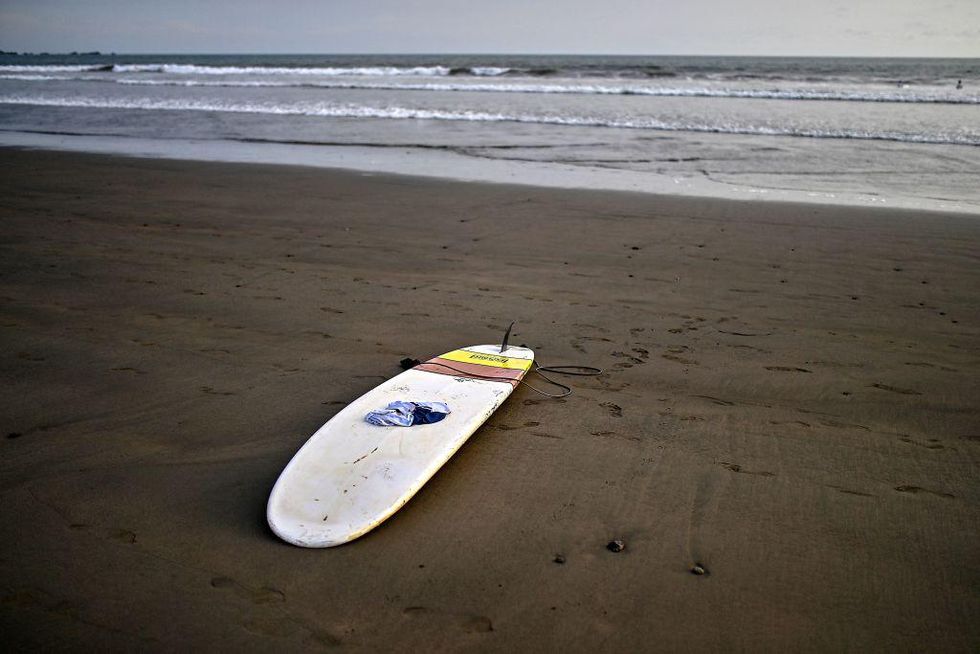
(790, 401)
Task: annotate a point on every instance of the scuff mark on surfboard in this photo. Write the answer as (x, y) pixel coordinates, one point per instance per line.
(364, 457)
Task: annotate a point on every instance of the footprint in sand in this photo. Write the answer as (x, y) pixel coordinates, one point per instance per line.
(843, 425)
(211, 391)
(915, 490)
(612, 434)
(854, 492)
(674, 357)
(128, 369)
(467, 622)
(733, 333)
(932, 444)
(263, 595)
(923, 364)
(734, 467)
(715, 400)
(895, 389)
(629, 357)
(614, 409)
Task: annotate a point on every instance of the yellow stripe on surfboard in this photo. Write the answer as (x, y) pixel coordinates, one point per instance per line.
(493, 360)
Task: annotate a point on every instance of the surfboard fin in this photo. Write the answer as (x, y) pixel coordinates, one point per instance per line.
(503, 346)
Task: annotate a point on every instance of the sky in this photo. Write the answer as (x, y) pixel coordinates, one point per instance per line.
(896, 28)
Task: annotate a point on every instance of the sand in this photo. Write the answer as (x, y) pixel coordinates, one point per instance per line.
(789, 402)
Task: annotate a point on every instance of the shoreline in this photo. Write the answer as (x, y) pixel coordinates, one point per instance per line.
(788, 404)
(446, 164)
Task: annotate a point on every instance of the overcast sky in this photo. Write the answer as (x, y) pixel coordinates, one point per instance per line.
(939, 28)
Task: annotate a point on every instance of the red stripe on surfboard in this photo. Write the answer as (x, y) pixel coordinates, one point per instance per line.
(479, 370)
(471, 370)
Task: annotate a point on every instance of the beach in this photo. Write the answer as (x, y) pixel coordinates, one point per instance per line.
(788, 404)
(899, 133)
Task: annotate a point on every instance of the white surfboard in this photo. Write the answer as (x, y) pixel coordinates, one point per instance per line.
(351, 475)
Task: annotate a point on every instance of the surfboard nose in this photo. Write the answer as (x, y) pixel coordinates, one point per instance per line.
(296, 535)
(308, 533)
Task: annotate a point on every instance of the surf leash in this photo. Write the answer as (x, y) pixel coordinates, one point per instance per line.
(571, 370)
(578, 371)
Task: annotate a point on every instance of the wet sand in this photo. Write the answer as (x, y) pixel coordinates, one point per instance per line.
(790, 403)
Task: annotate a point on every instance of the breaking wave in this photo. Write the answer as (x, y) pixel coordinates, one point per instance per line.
(601, 89)
(324, 71)
(796, 93)
(331, 110)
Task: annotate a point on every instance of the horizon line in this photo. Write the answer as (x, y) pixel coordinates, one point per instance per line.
(97, 52)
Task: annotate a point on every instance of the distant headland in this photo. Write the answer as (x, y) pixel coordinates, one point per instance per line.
(93, 53)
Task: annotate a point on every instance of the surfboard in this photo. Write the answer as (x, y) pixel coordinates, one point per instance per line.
(351, 475)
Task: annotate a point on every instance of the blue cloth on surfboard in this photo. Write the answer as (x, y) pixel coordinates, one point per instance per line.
(406, 414)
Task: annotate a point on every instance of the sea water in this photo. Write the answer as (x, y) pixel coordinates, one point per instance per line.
(898, 132)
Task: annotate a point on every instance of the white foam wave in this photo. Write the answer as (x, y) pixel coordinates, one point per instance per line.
(324, 71)
(661, 91)
(220, 83)
(488, 71)
(193, 69)
(331, 110)
(366, 71)
(51, 68)
(39, 78)
(840, 95)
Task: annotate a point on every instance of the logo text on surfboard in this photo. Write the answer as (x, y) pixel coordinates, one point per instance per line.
(489, 357)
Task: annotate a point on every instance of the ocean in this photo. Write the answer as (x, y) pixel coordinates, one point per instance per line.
(903, 132)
